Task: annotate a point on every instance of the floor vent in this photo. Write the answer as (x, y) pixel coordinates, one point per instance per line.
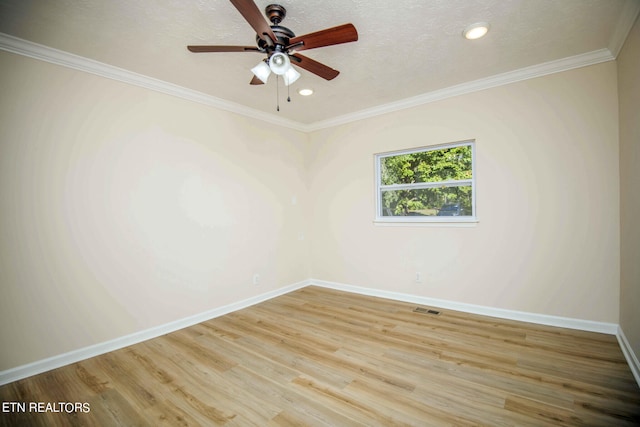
(427, 311)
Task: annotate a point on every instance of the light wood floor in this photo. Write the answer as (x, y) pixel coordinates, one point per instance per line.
(321, 357)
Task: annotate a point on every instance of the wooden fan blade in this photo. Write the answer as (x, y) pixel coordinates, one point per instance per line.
(254, 17)
(315, 67)
(202, 49)
(336, 35)
(256, 81)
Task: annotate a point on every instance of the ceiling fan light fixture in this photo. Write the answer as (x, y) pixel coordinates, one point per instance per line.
(261, 71)
(475, 31)
(290, 76)
(279, 63)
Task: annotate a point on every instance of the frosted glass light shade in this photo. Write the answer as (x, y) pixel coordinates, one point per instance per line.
(290, 76)
(279, 63)
(261, 71)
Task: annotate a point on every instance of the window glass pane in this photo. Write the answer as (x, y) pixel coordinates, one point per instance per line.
(446, 201)
(427, 166)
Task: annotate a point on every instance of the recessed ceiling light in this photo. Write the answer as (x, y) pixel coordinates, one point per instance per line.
(305, 92)
(475, 31)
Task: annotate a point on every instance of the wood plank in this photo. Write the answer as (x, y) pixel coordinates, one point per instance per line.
(322, 357)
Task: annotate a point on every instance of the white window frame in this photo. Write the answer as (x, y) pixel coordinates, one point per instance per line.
(418, 220)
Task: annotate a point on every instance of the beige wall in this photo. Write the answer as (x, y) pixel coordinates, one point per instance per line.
(122, 209)
(629, 89)
(547, 200)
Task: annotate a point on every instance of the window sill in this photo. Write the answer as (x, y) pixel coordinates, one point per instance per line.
(470, 222)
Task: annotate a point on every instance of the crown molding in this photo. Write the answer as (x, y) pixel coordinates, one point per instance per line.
(76, 62)
(65, 59)
(543, 69)
(628, 16)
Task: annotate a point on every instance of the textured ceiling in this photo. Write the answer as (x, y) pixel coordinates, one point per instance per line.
(405, 48)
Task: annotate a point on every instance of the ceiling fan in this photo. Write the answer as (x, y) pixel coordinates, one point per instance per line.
(281, 45)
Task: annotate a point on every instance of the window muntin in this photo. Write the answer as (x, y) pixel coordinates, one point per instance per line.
(430, 184)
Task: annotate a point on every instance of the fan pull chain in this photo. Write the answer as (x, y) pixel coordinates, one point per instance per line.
(278, 93)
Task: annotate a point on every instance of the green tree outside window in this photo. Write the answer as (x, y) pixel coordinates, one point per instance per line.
(433, 182)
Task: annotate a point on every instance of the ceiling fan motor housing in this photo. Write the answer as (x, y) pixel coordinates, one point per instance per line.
(283, 34)
(276, 14)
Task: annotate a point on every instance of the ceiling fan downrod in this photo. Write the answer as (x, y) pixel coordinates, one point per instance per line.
(275, 13)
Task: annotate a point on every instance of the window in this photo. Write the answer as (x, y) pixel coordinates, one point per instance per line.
(429, 184)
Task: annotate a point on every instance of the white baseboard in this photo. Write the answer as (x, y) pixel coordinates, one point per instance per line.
(541, 319)
(632, 358)
(58, 361)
